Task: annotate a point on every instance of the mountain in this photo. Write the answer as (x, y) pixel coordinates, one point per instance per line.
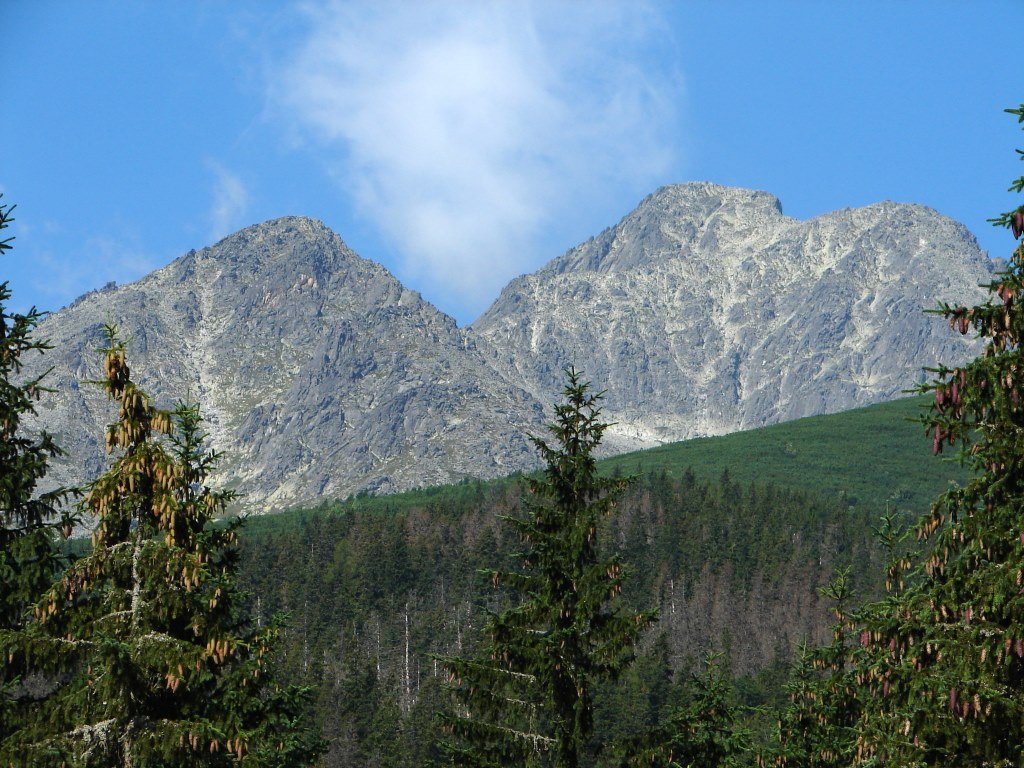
(318, 373)
(733, 565)
(706, 310)
(703, 311)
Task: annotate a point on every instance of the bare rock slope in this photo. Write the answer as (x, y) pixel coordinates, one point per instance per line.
(318, 373)
(704, 311)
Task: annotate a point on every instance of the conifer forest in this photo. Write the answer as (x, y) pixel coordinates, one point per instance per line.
(594, 613)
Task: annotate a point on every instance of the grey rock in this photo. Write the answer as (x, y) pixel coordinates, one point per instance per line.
(706, 310)
(318, 373)
(703, 311)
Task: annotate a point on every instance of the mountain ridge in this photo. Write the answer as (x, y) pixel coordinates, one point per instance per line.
(705, 287)
(704, 310)
(293, 343)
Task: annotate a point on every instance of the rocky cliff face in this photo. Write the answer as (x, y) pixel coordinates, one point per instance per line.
(706, 310)
(703, 311)
(318, 373)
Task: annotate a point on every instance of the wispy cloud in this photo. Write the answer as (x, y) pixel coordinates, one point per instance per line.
(230, 201)
(463, 130)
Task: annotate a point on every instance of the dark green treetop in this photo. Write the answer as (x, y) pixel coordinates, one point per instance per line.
(150, 659)
(30, 521)
(817, 729)
(527, 699)
(702, 733)
(943, 664)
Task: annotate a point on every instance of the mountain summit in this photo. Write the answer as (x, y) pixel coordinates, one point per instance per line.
(318, 373)
(704, 311)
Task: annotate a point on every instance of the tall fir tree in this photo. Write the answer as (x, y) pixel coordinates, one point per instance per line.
(30, 521)
(526, 700)
(943, 660)
(702, 733)
(817, 729)
(151, 661)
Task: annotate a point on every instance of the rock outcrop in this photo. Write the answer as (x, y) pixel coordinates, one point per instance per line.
(704, 311)
(318, 373)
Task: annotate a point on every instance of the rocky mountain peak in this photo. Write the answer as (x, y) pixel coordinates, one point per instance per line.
(708, 307)
(305, 226)
(701, 199)
(319, 374)
(672, 222)
(288, 243)
(703, 311)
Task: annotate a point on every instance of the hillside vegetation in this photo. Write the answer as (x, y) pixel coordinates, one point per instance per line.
(871, 456)
(728, 537)
(867, 457)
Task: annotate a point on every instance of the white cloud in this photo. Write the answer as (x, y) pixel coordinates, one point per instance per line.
(465, 130)
(230, 201)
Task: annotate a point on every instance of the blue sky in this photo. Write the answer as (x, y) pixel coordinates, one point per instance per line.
(462, 144)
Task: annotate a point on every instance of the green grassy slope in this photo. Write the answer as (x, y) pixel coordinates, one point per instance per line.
(873, 455)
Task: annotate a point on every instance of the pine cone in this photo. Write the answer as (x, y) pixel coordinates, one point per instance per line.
(1017, 223)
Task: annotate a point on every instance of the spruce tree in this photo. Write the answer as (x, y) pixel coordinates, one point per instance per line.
(151, 660)
(30, 521)
(818, 727)
(526, 699)
(943, 664)
(703, 733)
